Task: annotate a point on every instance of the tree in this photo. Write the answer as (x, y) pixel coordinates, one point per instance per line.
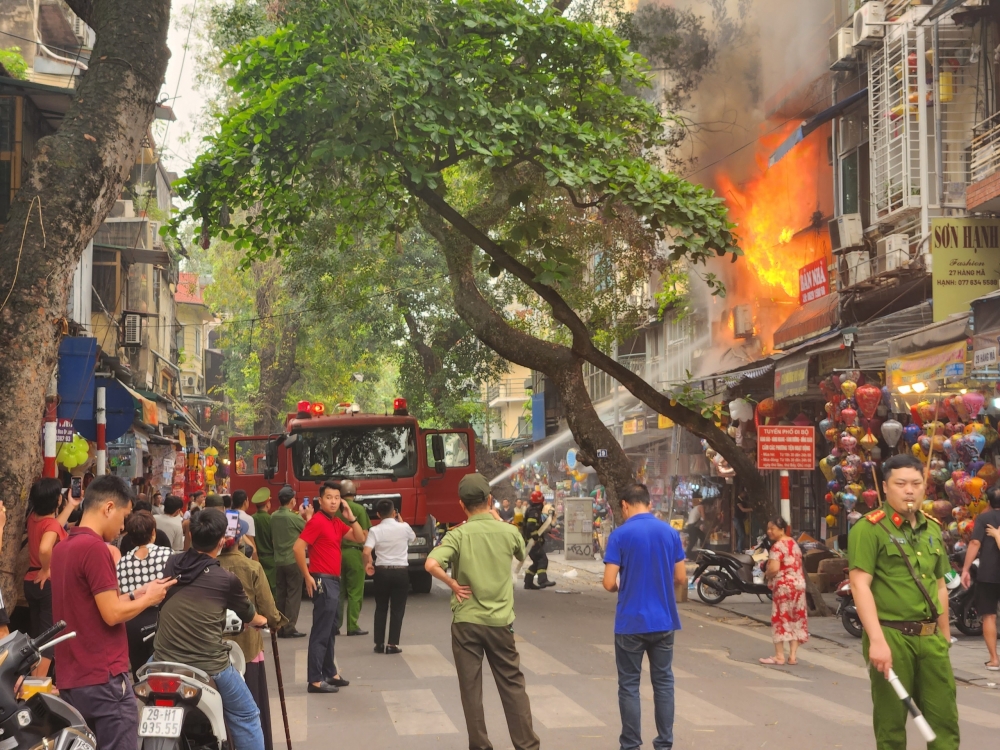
(467, 117)
(71, 186)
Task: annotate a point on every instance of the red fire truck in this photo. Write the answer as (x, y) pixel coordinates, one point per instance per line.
(387, 457)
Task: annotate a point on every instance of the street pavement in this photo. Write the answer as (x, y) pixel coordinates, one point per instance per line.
(724, 699)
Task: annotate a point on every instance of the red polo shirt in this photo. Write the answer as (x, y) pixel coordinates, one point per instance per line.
(82, 568)
(323, 534)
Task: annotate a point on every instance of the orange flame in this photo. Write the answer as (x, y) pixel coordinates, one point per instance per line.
(774, 211)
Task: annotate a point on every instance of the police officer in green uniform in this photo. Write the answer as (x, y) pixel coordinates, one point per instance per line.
(898, 561)
(352, 565)
(262, 525)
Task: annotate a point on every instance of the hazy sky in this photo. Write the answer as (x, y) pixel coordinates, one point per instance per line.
(180, 81)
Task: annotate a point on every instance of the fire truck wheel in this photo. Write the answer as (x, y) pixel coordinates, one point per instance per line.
(420, 581)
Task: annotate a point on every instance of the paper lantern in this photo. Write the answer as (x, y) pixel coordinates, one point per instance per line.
(834, 510)
(959, 403)
(855, 431)
(910, 434)
(832, 434)
(741, 410)
(848, 416)
(847, 441)
(868, 398)
(826, 469)
(825, 424)
(977, 442)
(942, 509)
(927, 412)
(868, 441)
(771, 409)
(848, 388)
(892, 431)
(849, 500)
(831, 521)
(988, 474)
(870, 497)
(975, 486)
(886, 397)
(927, 506)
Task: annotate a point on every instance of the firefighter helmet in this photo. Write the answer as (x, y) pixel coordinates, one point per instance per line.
(537, 497)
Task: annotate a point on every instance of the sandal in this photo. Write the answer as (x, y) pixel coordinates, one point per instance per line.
(792, 662)
(771, 662)
(991, 668)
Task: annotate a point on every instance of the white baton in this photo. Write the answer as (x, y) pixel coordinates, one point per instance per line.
(918, 718)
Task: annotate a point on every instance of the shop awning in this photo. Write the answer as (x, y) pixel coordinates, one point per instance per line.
(791, 370)
(812, 319)
(948, 331)
(803, 130)
(939, 363)
(986, 312)
(119, 411)
(149, 411)
(871, 339)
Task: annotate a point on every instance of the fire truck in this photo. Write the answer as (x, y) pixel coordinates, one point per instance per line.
(387, 456)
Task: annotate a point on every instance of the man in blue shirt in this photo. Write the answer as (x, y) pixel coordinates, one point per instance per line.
(643, 563)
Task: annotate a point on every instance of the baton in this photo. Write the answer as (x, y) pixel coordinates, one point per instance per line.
(918, 718)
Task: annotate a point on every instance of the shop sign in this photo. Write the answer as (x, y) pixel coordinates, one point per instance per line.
(64, 431)
(985, 350)
(786, 447)
(633, 426)
(813, 281)
(664, 423)
(934, 364)
(966, 262)
(838, 359)
(791, 380)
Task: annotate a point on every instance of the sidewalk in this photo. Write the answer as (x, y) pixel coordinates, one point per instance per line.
(967, 656)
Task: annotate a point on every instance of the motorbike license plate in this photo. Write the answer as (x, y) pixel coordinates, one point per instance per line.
(160, 722)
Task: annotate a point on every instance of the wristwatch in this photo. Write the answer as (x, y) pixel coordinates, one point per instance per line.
(131, 595)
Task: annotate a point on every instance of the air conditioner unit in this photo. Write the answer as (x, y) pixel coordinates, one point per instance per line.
(892, 253)
(155, 240)
(846, 232)
(743, 321)
(859, 266)
(133, 329)
(868, 20)
(842, 50)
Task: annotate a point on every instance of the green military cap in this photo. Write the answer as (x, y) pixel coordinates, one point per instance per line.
(474, 489)
(261, 496)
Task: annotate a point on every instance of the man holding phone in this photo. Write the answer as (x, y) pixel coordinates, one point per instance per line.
(322, 537)
(286, 525)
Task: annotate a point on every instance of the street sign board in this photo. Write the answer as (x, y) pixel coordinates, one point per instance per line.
(578, 524)
(786, 447)
(602, 452)
(813, 281)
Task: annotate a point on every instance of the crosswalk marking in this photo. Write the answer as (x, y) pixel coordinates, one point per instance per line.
(700, 712)
(554, 710)
(815, 705)
(298, 720)
(759, 670)
(427, 661)
(539, 662)
(679, 674)
(417, 712)
(840, 665)
(978, 717)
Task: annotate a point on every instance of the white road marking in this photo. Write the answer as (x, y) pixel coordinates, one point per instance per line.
(700, 712)
(832, 663)
(977, 716)
(813, 704)
(553, 710)
(417, 712)
(298, 720)
(427, 661)
(539, 662)
(758, 669)
(679, 674)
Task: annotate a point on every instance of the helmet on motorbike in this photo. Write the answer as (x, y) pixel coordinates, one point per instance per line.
(537, 496)
(233, 625)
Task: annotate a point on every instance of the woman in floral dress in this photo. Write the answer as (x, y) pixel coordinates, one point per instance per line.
(786, 579)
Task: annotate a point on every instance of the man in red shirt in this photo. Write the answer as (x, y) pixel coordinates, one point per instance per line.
(322, 536)
(94, 667)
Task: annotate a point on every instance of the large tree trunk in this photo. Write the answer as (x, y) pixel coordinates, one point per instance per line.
(71, 186)
(278, 368)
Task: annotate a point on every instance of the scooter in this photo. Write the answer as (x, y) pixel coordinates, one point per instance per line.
(44, 720)
(847, 611)
(183, 709)
(723, 574)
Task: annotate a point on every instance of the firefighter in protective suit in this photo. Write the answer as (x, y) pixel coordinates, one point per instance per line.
(533, 529)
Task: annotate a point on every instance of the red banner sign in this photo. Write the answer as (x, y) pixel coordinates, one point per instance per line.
(813, 281)
(786, 447)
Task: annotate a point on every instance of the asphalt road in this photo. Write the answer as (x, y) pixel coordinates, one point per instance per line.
(724, 700)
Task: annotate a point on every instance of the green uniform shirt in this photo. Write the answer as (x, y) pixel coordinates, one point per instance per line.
(479, 552)
(363, 520)
(871, 549)
(265, 547)
(286, 525)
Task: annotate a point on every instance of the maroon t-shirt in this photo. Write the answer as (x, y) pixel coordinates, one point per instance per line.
(82, 568)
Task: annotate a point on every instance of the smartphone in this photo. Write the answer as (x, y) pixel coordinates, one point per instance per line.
(76, 487)
(305, 502)
(233, 526)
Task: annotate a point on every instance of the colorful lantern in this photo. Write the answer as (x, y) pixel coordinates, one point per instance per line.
(848, 388)
(892, 431)
(868, 398)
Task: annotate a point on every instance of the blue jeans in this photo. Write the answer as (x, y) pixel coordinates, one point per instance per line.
(321, 639)
(240, 710)
(659, 647)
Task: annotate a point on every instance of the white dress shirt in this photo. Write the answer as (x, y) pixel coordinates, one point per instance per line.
(390, 541)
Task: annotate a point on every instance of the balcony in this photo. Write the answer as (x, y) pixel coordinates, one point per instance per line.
(600, 385)
(983, 194)
(508, 390)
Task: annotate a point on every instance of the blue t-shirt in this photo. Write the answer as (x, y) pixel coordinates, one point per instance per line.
(646, 549)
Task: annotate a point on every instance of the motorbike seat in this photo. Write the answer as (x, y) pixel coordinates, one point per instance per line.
(739, 557)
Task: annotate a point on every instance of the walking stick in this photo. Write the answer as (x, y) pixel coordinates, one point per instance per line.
(281, 686)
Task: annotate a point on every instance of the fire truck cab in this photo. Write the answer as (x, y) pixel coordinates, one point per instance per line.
(387, 457)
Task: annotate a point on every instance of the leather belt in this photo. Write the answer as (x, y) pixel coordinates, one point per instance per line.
(927, 627)
(392, 567)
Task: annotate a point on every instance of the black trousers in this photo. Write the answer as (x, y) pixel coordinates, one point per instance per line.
(392, 585)
(136, 629)
(539, 560)
(256, 679)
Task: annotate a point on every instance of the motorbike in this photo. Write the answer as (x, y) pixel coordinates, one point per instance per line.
(961, 603)
(43, 720)
(183, 709)
(723, 574)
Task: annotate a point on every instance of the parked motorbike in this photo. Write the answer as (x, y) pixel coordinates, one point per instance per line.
(183, 709)
(961, 603)
(723, 574)
(44, 720)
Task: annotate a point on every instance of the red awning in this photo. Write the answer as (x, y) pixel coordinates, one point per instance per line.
(813, 318)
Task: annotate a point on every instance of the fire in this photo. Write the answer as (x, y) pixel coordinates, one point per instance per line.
(774, 211)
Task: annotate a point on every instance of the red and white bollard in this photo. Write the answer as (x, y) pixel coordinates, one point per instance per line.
(49, 469)
(786, 497)
(102, 422)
